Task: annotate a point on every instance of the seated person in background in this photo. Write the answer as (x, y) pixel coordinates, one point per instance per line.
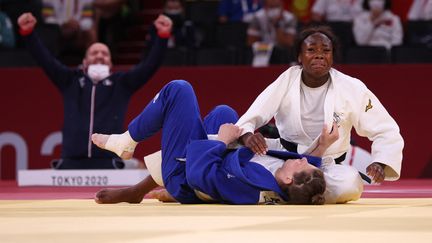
(378, 26)
(94, 98)
(238, 10)
(76, 21)
(198, 170)
(332, 11)
(272, 25)
(420, 10)
(271, 34)
(7, 35)
(183, 31)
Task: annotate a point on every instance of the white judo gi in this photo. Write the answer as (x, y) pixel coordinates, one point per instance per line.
(367, 33)
(348, 102)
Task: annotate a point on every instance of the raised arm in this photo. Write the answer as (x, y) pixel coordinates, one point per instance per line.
(58, 73)
(143, 71)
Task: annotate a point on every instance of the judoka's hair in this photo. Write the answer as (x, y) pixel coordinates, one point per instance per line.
(313, 29)
(307, 188)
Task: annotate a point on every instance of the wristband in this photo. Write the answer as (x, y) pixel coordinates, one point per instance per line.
(25, 32)
(164, 35)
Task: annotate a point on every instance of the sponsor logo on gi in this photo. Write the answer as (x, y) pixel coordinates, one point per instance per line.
(369, 106)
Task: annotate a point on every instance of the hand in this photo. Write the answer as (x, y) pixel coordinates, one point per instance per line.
(376, 171)
(229, 133)
(27, 21)
(328, 138)
(163, 24)
(255, 142)
(325, 140)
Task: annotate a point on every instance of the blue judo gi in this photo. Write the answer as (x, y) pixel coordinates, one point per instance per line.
(227, 176)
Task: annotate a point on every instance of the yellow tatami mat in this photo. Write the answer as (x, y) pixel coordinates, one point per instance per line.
(367, 220)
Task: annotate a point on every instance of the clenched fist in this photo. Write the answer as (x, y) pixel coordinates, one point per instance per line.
(27, 22)
(229, 133)
(163, 25)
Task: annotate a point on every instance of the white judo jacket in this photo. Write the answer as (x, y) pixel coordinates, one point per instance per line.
(348, 102)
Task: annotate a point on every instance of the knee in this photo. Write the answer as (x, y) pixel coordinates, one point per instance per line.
(219, 115)
(226, 111)
(343, 184)
(180, 87)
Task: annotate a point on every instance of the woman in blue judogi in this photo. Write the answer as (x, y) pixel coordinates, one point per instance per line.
(198, 170)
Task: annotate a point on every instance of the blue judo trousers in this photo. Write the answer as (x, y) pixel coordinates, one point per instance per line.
(175, 110)
(227, 176)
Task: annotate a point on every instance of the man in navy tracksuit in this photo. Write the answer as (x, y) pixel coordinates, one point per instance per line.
(198, 170)
(94, 99)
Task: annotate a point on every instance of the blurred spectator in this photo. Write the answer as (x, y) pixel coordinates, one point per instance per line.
(271, 33)
(7, 36)
(183, 32)
(419, 29)
(336, 10)
(238, 10)
(95, 98)
(272, 24)
(76, 21)
(300, 8)
(378, 26)
(420, 10)
(111, 17)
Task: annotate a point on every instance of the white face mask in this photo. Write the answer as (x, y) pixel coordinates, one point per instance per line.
(97, 72)
(377, 5)
(273, 12)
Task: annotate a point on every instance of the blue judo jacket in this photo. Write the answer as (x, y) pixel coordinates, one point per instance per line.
(227, 176)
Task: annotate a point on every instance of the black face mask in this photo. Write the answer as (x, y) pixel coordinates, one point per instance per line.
(177, 19)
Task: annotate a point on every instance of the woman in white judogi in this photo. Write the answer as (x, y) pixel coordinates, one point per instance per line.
(307, 96)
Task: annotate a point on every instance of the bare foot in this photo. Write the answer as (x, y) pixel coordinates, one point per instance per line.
(161, 195)
(109, 195)
(124, 150)
(100, 139)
